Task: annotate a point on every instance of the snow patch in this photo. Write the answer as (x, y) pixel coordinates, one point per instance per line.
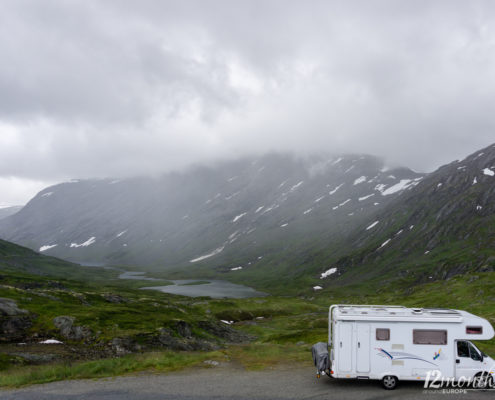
(337, 161)
(284, 225)
(328, 272)
(359, 180)
(334, 190)
(403, 184)
(372, 225)
(238, 217)
(385, 243)
(489, 172)
(475, 181)
(211, 254)
(412, 226)
(227, 322)
(236, 268)
(380, 187)
(47, 247)
(317, 288)
(479, 207)
(87, 243)
(296, 186)
(307, 211)
(440, 184)
(366, 197)
(272, 207)
(121, 233)
(259, 209)
(47, 194)
(319, 199)
(51, 341)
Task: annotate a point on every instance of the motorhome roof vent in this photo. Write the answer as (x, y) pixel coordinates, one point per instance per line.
(444, 311)
(417, 310)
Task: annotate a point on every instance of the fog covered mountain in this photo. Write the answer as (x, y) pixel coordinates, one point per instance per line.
(220, 214)
(6, 211)
(443, 227)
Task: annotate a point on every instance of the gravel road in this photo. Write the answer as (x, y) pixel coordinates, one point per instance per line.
(225, 383)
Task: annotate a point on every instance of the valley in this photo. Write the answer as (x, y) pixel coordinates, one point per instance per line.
(236, 287)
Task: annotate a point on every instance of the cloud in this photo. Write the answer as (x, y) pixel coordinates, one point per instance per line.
(120, 88)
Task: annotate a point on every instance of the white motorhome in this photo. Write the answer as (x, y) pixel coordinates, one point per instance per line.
(393, 343)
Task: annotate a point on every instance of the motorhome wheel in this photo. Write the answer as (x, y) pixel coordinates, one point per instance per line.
(389, 382)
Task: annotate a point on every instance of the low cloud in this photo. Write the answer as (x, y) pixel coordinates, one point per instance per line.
(116, 88)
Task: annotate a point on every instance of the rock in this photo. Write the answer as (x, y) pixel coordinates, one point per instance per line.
(65, 324)
(13, 321)
(9, 307)
(183, 329)
(36, 358)
(211, 362)
(223, 331)
(14, 328)
(166, 339)
(114, 298)
(124, 345)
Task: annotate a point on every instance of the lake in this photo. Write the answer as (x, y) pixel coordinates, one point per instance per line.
(213, 288)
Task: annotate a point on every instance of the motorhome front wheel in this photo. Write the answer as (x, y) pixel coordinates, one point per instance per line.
(389, 382)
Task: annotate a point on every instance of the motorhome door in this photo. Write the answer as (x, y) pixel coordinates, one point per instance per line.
(468, 359)
(344, 347)
(362, 347)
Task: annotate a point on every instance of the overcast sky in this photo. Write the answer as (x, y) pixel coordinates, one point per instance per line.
(119, 88)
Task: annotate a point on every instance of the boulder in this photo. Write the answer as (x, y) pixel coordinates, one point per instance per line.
(114, 298)
(9, 307)
(13, 321)
(124, 345)
(224, 332)
(65, 324)
(183, 329)
(14, 328)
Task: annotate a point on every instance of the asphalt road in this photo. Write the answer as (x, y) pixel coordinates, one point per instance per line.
(224, 383)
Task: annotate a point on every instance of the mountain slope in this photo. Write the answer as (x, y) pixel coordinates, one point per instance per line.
(228, 213)
(14, 258)
(6, 211)
(442, 227)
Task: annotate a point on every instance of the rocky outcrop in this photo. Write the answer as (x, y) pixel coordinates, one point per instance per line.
(224, 332)
(65, 324)
(114, 298)
(14, 321)
(9, 307)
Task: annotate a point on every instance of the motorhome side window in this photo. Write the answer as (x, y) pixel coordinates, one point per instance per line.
(429, 336)
(382, 334)
(462, 349)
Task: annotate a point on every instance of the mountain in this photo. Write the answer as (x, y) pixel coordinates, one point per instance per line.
(6, 211)
(443, 227)
(15, 258)
(220, 215)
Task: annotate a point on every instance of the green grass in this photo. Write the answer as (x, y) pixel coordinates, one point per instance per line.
(155, 362)
(284, 327)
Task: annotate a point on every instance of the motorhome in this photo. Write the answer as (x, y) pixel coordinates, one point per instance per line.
(393, 343)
